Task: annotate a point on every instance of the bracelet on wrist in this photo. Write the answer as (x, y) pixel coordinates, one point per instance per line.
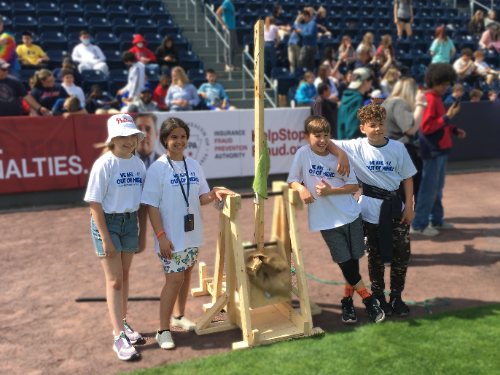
(159, 234)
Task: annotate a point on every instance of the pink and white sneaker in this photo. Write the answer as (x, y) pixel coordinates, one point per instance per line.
(132, 335)
(124, 348)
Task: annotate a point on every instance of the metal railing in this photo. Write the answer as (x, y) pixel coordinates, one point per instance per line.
(251, 74)
(472, 2)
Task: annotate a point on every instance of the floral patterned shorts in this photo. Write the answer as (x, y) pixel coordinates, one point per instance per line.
(180, 261)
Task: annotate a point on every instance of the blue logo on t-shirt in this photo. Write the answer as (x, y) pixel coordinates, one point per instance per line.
(318, 170)
(378, 166)
(128, 179)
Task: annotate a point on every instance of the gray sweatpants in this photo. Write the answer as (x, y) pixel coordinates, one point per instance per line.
(346, 242)
(232, 40)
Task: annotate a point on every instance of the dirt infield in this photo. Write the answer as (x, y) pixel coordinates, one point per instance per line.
(47, 260)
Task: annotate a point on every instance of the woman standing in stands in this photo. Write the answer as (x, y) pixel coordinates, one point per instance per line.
(403, 16)
(166, 54)
(347, 53)
(281, 21)
(442, 48)
(271, 42)
(476, 24)
(404, 110)
(367, 42)
(46, 91)
(324, 76)
(182, 95)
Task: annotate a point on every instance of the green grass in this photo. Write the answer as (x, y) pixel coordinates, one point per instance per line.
(458, 342)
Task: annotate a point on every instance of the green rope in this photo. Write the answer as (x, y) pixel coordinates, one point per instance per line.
(427, 303)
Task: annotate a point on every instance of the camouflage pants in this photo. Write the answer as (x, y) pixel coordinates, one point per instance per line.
(401, 257)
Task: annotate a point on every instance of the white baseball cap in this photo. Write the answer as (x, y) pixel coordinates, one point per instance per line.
(122, 125)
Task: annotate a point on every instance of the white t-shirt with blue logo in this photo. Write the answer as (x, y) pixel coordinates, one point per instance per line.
(162, 190)
(384, 167)
(331, 211)
(116, 183)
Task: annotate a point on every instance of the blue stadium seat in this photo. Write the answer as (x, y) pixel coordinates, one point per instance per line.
(126, 41)
(56, 57)
(107, 41)
(118, 78)
(92, 77)
(129, 3)
(153, 77)
(189, 60)
(61, 2)
(107, 3)
(94, 10)
(5, 9)
(100, 25)
(22, 9)
(248, 16)
(242, 29)
(74, 39)
(181, 43)
(25, 75)
(54, 40)
(149, 3)
(248, 43)
(71, 10)
(157, 16)
(284, 79)
(113, 59)
(144, 26)
(138, 12)
(123, 25)
(299, 73)
(47, 9)
(87, 2)
(116, 11)
(254, 5)
(48, 23)
(21, 23)
(75, 24)
(18, 36)
(197, 76)
(168, 27)
(154, 40)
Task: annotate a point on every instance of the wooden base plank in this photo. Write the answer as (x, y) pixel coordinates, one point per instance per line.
(216, 327)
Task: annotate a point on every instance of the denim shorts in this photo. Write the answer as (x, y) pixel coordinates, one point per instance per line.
(123, 230)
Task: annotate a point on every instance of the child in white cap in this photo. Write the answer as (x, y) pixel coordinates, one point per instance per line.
(114, 193)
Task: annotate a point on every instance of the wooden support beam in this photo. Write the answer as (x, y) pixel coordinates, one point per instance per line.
(202, 274)
(219, 259)
(216, 327)
(212, 313)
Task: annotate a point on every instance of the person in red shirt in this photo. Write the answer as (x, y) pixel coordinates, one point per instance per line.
(435, 145)
(142, 54)
(160, 92)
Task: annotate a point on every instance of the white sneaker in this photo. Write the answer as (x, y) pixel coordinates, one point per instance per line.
(445, 225)
(184, 323)
(165, 340)
(428, 231)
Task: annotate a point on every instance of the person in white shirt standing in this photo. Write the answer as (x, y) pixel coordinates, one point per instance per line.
(114, 193)
(174, 191)
(72, 89)
(89, 56)
(136, 77)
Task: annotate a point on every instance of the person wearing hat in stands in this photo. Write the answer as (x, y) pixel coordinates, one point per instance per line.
(11, 93)
(352, 100)
(145, 102)
(142, 53)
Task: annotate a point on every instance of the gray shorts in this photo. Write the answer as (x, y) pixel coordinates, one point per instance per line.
(346, 242)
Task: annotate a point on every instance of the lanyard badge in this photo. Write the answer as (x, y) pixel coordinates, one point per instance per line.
(189, 218)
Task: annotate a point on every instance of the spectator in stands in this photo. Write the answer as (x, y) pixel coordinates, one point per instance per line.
(68, 64)
(147, 123)
(281, 21)
(466, 69)
(271, 42)
(324, 77)
(326, 108)
(368, 60)
(435, 145)
(352, 100)
(484, 69)
(403, 16)
(136, 77)
(142, 53)
(309, 44)
(30, 55)
(161, 91)
(385, 44)
(227, 17)
(26, 107)
(68, 107)
(475, 95)
(306, 92)
(89, 56)
(320, 19)
(344, 83)
(329, 60)
(213, 93)
(389, 81)
(492, 95)
(45, 90)
(347, 53)
(490, 38)
(476, 24)
(442, 48)
(367, 42)
(182, 95)
(491, 20)
(70, 87)
(145, 103)
(295, 43)
(166, 54)
(100, 103)
(8, 50)
(457, 92)
(404, 110)
(12, 91)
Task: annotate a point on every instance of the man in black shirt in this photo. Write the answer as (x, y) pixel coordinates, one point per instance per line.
(326, 108)
(11, 93)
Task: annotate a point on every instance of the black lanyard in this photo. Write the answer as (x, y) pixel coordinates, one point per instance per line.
(186, 198)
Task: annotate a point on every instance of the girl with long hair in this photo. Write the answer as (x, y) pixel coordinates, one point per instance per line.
(442, 48)
(329, 60)
(347, 53)
(182, 95)
(45, 90)
(476, 24)
(391, 77)
(324, 76)
(367, 42)
(166, 54)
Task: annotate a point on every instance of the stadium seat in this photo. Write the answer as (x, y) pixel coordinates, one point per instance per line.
(284, 79)
(154, 40)
(75, 24)
(107, 41)
(74, 39)
(56, 57)
(126, 41)
(144, 26)
(153, 77)
(71, 10)
(116, 11)
(113, 59)
(93, 11)
(48, 23)
(46, 9)
(123, 25)
(23, 9)
(107, 3)
(181, 43)
(129, 3)
(25, 75)
(100, 25)
(18, 36)
(168, 27)
(21, 23)
(54, 40)
(157, 16)
(189, 60)
(5, 9)
(87, 2)
(92, 77)
(299, 73)
(242, 29)
(138, 12)
(197, 77)
(118, 78)
(149, 3)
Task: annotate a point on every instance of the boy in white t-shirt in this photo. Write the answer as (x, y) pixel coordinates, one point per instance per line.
(385, 170)
(333, 211)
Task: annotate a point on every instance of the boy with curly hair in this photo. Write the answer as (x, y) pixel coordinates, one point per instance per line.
(385, 170)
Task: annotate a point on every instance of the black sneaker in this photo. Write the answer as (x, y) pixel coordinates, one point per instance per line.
(387, 308)
(373, 309)
(400, 308)
(348, 313)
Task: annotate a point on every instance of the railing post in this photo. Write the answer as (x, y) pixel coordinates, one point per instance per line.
(178, 3)
(195, 17)
(217, 45)
(206, 25)
(229, 54)
(187, 10)
(243, 75)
